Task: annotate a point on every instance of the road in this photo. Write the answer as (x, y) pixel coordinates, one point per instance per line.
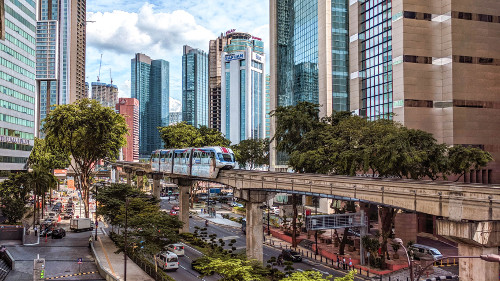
(228, 233)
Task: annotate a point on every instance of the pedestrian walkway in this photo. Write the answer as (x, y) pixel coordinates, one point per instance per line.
(218, 218)
(113, 263)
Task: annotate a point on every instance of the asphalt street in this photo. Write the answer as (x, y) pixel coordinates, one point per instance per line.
(227, 233)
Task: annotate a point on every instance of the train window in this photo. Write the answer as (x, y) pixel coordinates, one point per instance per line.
(225, 157)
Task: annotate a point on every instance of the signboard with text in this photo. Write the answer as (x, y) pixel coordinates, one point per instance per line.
(235, 56)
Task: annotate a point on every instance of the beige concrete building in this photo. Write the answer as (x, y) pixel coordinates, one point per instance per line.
(435, 65)
(106, 94)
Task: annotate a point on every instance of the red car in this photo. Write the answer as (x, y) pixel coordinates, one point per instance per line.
(174, 212)
(176, 208)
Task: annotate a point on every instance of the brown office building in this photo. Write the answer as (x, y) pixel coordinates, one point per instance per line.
(435, 65)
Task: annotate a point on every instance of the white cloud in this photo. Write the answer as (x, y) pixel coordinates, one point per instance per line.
(159, 29)
(175, 105)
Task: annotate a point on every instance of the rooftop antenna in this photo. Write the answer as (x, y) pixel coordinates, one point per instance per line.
(111, 77)
(100, 62)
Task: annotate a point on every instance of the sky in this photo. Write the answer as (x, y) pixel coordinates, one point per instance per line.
(118, 29)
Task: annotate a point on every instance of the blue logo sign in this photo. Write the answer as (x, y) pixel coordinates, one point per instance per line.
(238, 56)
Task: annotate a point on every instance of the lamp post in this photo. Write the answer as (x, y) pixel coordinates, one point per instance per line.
(96, 221)
(400, 242)
(125, 242)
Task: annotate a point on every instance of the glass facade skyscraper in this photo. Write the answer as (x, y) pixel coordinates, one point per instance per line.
(17, 83)
(376, 59)
(194, 87)
(57, 20)
(243, 88)
(310, 55)
(150, 86)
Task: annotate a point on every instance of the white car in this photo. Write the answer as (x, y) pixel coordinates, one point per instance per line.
(167, 261)
(177, 249)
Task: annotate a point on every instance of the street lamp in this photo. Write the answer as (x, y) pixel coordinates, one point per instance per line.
(400, 242)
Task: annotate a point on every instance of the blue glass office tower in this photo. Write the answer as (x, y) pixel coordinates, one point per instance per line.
(58, 81)
(17, 83)
(150, 86)
(243, 88)
(194, 87)
(309, 55)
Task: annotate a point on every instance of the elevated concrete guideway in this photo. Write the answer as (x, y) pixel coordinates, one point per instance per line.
(456, 201)
(453, 200)
(470, 212)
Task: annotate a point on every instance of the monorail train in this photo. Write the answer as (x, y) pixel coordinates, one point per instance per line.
(202, 162)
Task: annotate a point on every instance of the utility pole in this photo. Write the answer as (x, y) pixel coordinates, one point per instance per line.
(125, 243)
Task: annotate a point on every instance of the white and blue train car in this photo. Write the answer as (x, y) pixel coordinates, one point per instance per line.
(202, 162)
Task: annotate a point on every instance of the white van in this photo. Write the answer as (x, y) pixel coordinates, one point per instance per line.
(177, 249)
(168, 261)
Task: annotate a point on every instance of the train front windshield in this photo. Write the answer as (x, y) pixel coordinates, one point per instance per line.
(226, 157)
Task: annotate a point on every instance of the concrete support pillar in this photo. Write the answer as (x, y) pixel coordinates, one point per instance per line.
(140, 179)
(254, 229)
(184, 207)
(477, 269)
(129, 175)
(156, 184)
(117, 175)
(474, 239)
(255, 232)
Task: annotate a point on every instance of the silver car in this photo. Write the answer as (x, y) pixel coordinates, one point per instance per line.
(423, 252)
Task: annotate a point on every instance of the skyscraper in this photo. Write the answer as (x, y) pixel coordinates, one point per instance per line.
(309, 55)
(106, 94)
(194, 87)
(434, 67)
(243, 86)
(268, 106)
(129, 108)
(150, 86)
(17, 83)
(60, 39)
(216, 47)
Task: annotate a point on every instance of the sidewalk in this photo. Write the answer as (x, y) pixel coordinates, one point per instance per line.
(113, 263)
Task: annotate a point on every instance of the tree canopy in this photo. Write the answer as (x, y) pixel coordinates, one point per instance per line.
(182, 135)
(14, 193)
(252, 152)
(88, 132)
(346, 144)
(149, 228)
(232, 269)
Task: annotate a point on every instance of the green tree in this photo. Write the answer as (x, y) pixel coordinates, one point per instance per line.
(231, 269)
(252, 152)
(88, 132)
(308, 275)
(183, 135)
(14, 192)
(462, 159)
(212, 137)
(149, 228)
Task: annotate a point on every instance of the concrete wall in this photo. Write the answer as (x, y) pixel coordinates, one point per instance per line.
(406, 227)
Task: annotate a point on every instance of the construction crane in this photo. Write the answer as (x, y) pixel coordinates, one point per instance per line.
(100, 62)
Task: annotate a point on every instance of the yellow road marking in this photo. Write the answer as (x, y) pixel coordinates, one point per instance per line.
(107, 258)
